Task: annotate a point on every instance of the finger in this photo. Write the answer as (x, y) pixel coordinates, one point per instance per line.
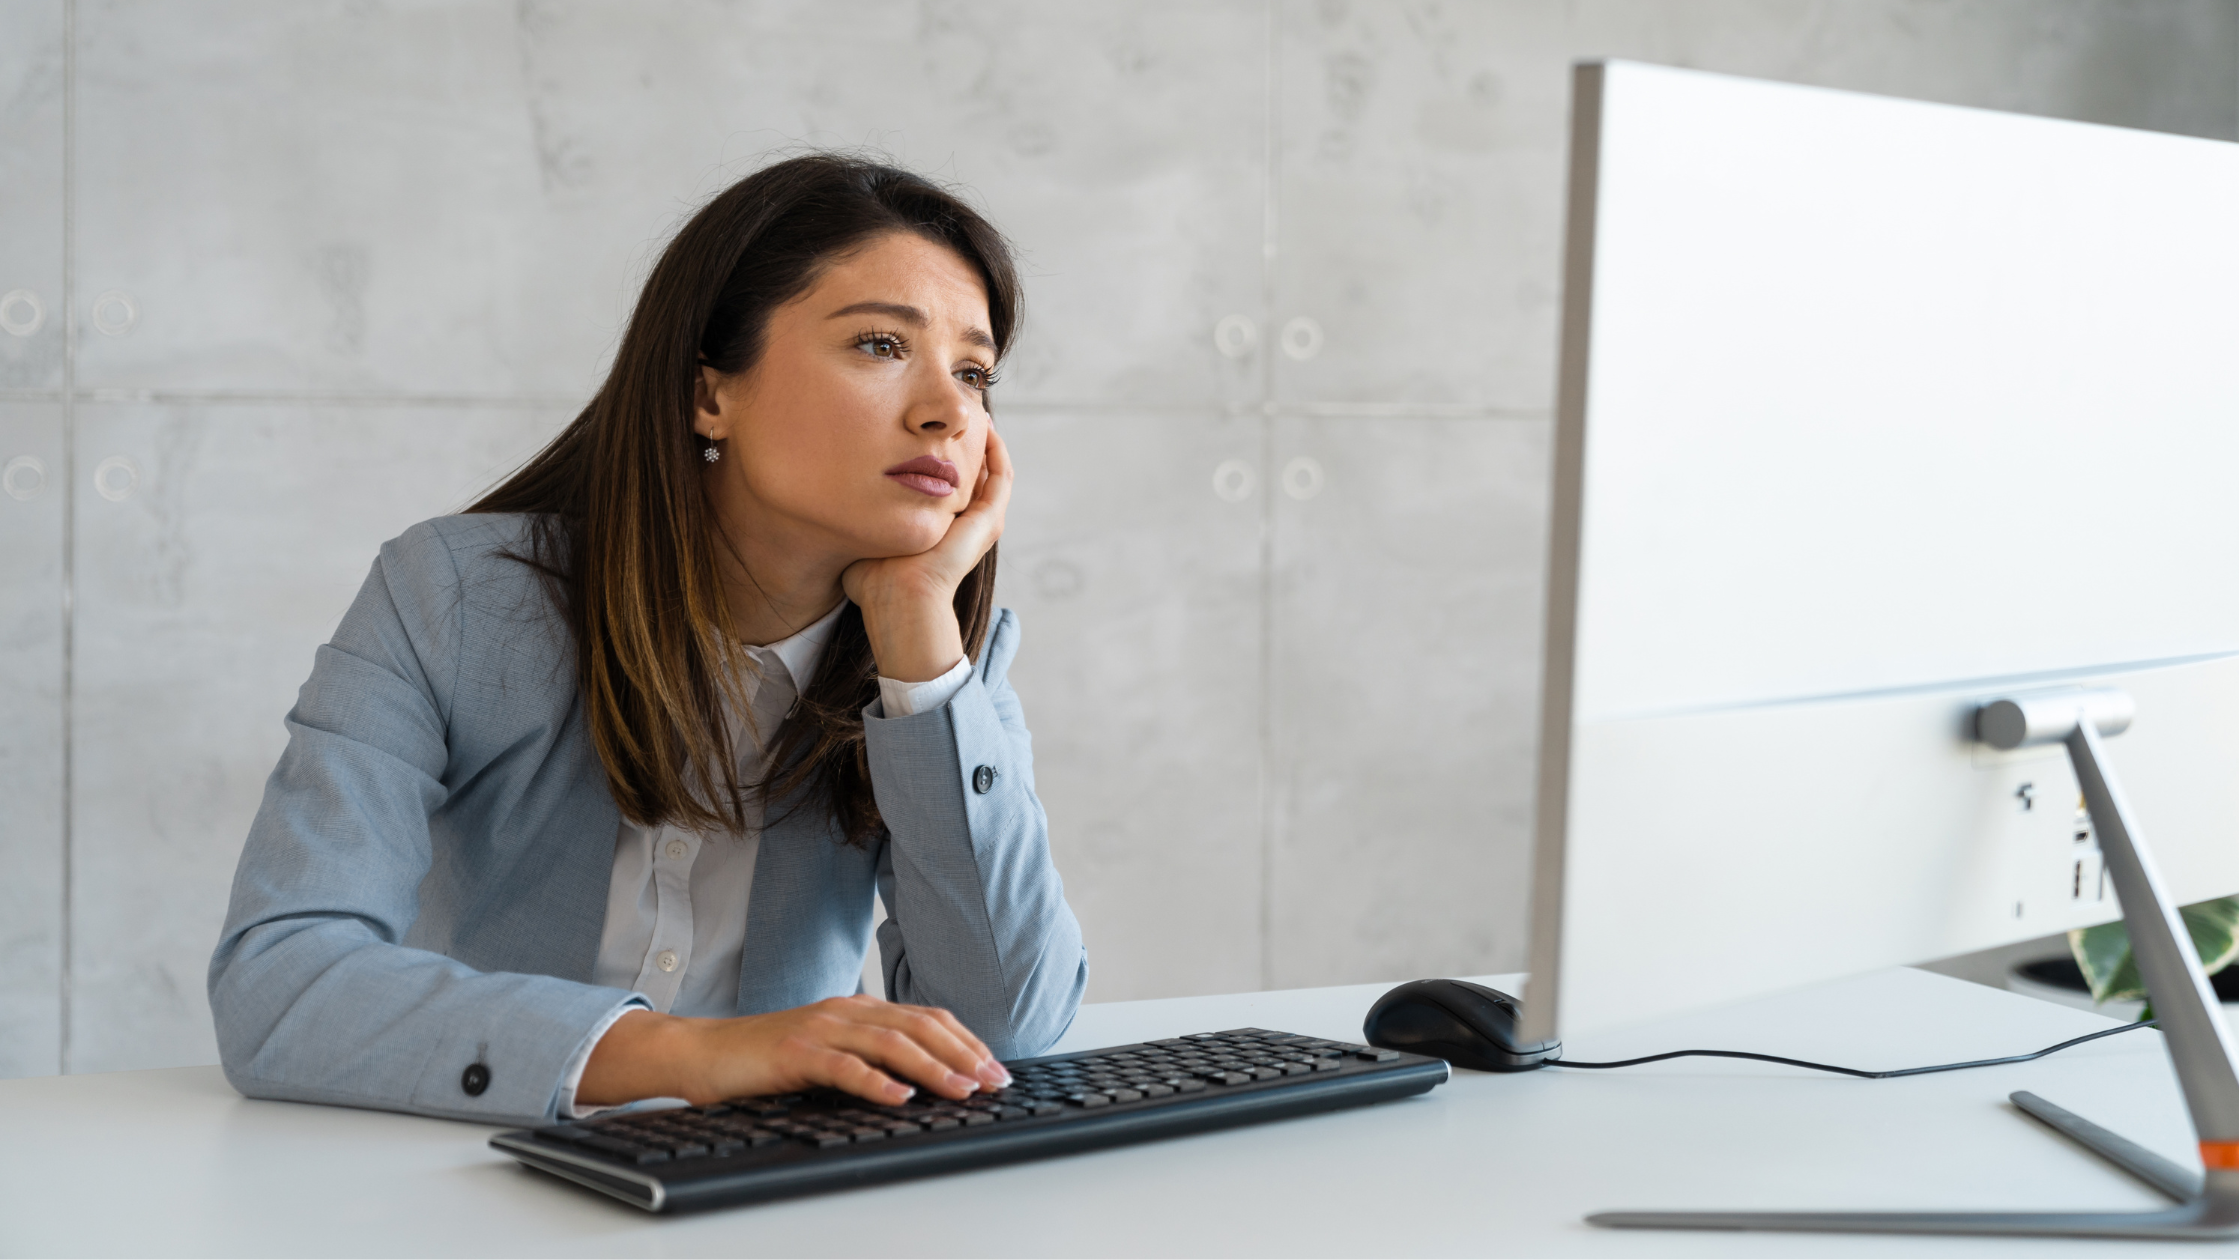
(845, 1071)
(974, 530)
(977, 527)
(946, 1039)
(955, 1028)
(853, 577)
(899, 1053)
(991, 1069)
(999, 455)
(995, 474)
(1000, 474)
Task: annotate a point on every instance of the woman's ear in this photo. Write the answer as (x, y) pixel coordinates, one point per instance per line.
(707, 405)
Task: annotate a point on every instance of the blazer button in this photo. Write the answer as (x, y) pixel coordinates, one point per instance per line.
(475, 1079)
(983, 779)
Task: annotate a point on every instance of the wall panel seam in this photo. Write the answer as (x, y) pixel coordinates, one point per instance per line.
(1271, 70)
(65, 945)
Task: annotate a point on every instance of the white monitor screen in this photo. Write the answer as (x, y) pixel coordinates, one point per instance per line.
(1871, 408)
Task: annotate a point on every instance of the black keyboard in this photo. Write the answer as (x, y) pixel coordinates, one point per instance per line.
(751, 1149)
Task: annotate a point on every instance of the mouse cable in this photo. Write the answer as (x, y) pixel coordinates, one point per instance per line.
(1872, 1076)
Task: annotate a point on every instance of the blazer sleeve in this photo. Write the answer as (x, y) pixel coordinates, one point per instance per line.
(977, 920)
(315, 997)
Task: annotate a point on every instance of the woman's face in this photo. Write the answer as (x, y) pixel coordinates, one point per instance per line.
(860, 431)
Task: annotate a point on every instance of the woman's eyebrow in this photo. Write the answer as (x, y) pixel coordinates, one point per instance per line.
(912, 316)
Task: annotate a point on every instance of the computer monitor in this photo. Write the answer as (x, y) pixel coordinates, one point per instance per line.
(1872, 411)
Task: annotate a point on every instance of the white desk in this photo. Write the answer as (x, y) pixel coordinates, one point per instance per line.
(173, 1162)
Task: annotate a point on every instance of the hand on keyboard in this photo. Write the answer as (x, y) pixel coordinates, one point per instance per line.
(858, 1044)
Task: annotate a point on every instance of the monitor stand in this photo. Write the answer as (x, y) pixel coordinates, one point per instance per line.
(2204, 1205)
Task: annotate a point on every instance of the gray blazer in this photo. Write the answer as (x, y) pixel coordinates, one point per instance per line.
(424, 885)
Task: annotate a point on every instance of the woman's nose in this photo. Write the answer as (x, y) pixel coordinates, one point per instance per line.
(940, 411)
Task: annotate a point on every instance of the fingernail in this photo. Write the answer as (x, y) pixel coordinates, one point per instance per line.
(909, 1092)
(965, 1083)
(994, 1073)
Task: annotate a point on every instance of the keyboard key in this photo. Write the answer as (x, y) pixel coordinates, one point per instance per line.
(1088, 1100)
(1010, 1113)
(726, 1148)
(1267, 1073)
(825, 1141)
(1226, 1078)
(1189, 1085)
(1127, 1095)
(1297, 1069)
(627, 1152)
(1328, 1065)
(1047, 1108)
(939, 1123)
(688, 1150)
(1156, 1090)
(1376, 1055)
(978, 1117)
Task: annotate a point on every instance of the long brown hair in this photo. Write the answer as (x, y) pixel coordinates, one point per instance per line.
(628, 544)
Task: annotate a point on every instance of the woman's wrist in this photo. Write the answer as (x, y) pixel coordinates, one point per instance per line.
(644, 1054)
(914, 635)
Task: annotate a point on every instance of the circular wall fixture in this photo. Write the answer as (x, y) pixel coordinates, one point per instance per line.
(114, 313)
(24, 477)
(1235, 336)
(1233, 480)
(115, 479)
(21, 312)
(1303, 478)
(1058, 579)
(1302, 337)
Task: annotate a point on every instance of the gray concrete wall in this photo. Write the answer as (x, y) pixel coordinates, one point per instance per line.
(306, 272)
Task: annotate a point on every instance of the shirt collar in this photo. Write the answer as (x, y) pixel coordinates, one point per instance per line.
(801, 652)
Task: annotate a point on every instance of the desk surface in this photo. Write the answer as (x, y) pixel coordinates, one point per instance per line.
(173, 1162)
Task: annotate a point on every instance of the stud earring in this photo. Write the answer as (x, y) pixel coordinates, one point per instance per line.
(712, 453)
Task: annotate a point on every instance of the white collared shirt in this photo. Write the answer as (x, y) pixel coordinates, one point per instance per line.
(677, 900)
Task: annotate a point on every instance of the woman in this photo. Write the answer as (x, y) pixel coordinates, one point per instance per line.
(587, 799)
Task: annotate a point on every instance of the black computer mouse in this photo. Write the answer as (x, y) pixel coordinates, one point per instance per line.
(1468, 1025)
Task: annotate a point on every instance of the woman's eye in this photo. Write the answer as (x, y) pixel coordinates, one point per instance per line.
(976, 376)
(881, 347)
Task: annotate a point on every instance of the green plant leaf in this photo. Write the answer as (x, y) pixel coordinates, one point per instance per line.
(2211, 925)
(2103, 953)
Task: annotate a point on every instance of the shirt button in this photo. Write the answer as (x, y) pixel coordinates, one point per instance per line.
(676, 849)
(983, 779)
(475, 1079)
(666, 960)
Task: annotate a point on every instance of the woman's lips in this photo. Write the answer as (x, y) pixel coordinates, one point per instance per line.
(927, 475)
